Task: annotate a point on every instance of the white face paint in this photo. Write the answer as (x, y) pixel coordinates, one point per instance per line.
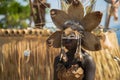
(71, 36)
(75, 25)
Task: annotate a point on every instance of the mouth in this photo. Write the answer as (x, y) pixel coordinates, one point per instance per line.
(68, 46)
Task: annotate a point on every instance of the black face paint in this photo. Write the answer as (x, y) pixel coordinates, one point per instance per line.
(66, 41)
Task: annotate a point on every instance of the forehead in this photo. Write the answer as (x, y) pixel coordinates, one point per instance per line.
(70, 34)
(69, 31)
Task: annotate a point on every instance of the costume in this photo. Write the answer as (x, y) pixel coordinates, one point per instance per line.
(74, 70)
(74, 35)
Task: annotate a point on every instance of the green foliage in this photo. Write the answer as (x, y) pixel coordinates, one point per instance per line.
(15, 14)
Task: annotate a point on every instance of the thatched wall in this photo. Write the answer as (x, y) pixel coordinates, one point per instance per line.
(107, 67)
(14, 65)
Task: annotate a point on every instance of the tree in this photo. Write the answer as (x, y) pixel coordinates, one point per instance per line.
(15, 14)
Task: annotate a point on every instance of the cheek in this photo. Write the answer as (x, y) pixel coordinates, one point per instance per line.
(67, 45)
(71, 45)
(74, 42)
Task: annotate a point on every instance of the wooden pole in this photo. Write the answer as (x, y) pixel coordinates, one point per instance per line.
(108, 17)
(32, 11)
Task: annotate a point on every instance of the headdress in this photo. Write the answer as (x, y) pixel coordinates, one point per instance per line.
(74, 18)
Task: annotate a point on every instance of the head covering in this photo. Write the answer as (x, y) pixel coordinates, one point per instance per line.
(74, 18)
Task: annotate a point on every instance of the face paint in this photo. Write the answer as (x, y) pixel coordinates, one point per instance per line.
(70, 41)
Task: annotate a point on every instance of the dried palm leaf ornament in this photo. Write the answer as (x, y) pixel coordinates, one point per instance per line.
(74, 21)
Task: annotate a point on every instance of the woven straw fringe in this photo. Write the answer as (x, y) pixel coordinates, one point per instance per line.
(14, 65)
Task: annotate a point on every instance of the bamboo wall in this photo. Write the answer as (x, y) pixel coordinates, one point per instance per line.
(14, 65)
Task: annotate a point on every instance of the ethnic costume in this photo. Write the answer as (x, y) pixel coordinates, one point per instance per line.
(74, 35)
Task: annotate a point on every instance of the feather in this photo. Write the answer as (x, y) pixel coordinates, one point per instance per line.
(90, 42)
(91, 20)
(59, 17)
(54, 40)
(76, 11)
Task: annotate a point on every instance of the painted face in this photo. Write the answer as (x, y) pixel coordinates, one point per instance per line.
(70, 41)
(70, 44)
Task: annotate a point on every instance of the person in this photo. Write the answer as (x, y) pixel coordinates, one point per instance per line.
(87, 63)
(66, 65)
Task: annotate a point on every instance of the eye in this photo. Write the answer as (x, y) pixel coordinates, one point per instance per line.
(72, 36)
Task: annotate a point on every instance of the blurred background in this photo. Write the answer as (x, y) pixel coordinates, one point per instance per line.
(24, 28)
(16, 14)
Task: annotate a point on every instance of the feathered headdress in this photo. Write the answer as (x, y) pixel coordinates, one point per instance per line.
(74, 18)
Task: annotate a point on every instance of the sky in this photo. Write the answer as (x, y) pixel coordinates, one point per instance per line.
(101, 5)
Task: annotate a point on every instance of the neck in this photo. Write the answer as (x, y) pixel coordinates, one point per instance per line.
(73, 51)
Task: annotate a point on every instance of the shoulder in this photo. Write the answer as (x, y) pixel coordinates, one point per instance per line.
(88, 59)
(87, 56)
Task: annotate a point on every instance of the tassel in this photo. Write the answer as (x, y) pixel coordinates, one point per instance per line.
(63, 55)
(78, 55)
